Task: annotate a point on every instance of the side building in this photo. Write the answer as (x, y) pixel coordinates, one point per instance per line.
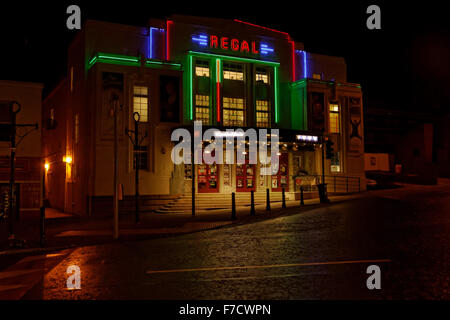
(224, 73)
(29, 167)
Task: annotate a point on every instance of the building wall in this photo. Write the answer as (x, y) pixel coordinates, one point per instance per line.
(87, 101)
(29, 165)
(54, 133)
(328, 67)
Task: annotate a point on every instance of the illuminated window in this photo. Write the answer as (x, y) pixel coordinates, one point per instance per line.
(202, 108)
(262, 76)
(262, 113)
(335, 162)
(233, 72)
(202, 68)
(140, 102)
(233, 111)
(317, 76)
(334, 118)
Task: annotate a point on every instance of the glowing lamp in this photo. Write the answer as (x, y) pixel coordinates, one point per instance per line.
(67, 159)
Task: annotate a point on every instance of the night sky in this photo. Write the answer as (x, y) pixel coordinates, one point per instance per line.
(404, 65)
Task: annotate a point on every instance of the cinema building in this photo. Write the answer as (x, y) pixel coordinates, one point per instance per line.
(224, 73)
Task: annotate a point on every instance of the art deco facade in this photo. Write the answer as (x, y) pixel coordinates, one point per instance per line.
(224, 73)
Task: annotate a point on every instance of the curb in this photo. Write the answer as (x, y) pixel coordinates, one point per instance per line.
(277, 213)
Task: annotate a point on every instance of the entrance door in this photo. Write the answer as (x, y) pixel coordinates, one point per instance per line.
(281, 179)
(208, 177)
(245, 177)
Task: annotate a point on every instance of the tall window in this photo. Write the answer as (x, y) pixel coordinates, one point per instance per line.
(233, 71)
(233, 111)
(140, 102)
(334, 118)
(202, 68)
(262, 113)
(202, 108)
(262, 76)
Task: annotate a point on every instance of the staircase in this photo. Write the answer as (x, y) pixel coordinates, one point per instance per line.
(215, 201)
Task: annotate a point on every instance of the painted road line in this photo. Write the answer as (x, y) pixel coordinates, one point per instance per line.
(41, 257)
(270, 266)
(11, 287)
(16, 273)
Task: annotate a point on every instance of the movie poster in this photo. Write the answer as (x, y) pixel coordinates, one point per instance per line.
(112, 91)
(169, 98)
(317, 108)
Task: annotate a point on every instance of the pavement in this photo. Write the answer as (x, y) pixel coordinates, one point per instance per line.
(66, 231)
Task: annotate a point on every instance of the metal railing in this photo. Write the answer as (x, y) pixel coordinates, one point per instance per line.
(335, 183)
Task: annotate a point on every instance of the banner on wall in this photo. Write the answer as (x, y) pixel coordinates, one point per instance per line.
(112, 85)
(354, 107)
(317, 108)
(169, 98)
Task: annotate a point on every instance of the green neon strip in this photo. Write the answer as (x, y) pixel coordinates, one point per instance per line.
(298, 83)
(231, 58)
(191, 87)
(275, 75)
(114, 59)
(93, 60)
(162, 63)
(128, 60)
(118, 58)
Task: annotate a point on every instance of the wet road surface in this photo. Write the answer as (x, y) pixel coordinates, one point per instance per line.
(319, 254)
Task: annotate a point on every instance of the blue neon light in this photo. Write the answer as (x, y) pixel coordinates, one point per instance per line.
(265, 49)
(305, 65)
(150, 42)
(201, 40)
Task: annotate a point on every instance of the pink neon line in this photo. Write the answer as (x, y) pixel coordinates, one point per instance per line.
(255, 25)
(167, 39)
(294, 75)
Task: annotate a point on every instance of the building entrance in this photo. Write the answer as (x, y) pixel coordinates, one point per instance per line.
(245, 177)
(281, 179)
(208, 176)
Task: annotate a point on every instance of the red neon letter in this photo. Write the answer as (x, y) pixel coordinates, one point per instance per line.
(224, 43)
(244, 46)
(254, 48)
(234, 44)
(213, 42)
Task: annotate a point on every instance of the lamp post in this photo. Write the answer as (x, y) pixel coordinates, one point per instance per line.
(115, 107)
(136, 147)
(14, 109)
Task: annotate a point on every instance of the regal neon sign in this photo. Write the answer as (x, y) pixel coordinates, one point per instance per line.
(232, 44)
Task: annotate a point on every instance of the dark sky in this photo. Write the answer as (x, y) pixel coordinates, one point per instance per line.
(403, 65)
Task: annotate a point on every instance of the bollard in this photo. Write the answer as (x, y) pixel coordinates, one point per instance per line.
(302, 203)
(283, 197)
(42, 226)
(267, 200)
(233, 206)
(252, 204)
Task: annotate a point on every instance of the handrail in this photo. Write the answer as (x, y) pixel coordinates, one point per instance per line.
(335, 183)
